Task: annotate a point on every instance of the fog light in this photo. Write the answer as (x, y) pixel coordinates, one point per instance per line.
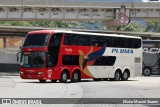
(40, 73)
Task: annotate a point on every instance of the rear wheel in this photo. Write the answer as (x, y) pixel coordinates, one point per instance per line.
(76, 77)
(42, 81)
(147, 71)
(125, 76)
(64, 77)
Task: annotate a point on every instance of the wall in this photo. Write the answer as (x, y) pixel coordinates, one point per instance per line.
(9, 46)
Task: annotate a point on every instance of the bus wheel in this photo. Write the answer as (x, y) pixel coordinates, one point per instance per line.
(53, 81)
(146, 71)
(117, 76)
(125, 76)
(42, 81)
(64, 77)
(76, 77)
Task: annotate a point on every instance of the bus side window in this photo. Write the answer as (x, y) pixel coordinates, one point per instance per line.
(130, 43)
(136, 43)
(94, 41)
(123, 43)
(105, 41)
(115, 42)
(82, 40)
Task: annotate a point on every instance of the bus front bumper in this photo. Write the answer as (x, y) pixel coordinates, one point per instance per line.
(37, 75)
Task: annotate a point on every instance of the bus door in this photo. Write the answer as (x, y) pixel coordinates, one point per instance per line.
(53, 53)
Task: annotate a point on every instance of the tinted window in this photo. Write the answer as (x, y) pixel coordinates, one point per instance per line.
(120, 42)
(105, 61)
(86, 40)
(115, 42)
(83, 40)
(94, 40)
(91, 40)
(136, 43)
(124, 43)
(76, 39)
(69, 39)
(36, 40)
(105, 41)
(70, 60)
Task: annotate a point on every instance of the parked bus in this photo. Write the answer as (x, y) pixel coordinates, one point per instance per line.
(151, 57)
(61, 55)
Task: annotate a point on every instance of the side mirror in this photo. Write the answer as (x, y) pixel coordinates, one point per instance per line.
(18, 56)
(20, 47)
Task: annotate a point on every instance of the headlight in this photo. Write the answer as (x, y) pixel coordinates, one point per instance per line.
(22, 72)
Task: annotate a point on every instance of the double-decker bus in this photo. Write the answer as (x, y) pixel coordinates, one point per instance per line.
(61, 55)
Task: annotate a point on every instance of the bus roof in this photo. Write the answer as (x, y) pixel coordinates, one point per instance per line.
(86, 33)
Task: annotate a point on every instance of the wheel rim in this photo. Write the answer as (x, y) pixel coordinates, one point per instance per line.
(64, 76)
(75, 76)
(125, 75)
(117, 76)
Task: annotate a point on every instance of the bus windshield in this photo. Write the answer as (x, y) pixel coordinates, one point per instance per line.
(33, 59)
(34, 40)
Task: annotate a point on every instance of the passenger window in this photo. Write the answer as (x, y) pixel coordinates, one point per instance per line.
(116, 42)
(123, 43)
(94, 41)
(105, 41)
(137, 43)
(70, 60)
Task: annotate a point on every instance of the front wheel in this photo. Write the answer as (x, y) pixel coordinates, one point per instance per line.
(64, 77)
(117, 76)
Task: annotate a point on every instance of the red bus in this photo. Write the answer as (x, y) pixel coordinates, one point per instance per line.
(61, 55)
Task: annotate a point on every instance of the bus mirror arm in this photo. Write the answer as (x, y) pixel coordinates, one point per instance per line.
(18, 56)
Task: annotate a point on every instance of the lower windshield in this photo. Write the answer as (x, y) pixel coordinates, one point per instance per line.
(33, 59)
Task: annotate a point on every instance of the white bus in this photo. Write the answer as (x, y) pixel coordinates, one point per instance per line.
(61, 55)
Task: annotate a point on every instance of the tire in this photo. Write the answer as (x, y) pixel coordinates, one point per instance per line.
(76, 77)
(64, 77)
(97, 79)
(147, 71)
(53, 81)
(117, 76)
(42, 81)
(125, 76)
